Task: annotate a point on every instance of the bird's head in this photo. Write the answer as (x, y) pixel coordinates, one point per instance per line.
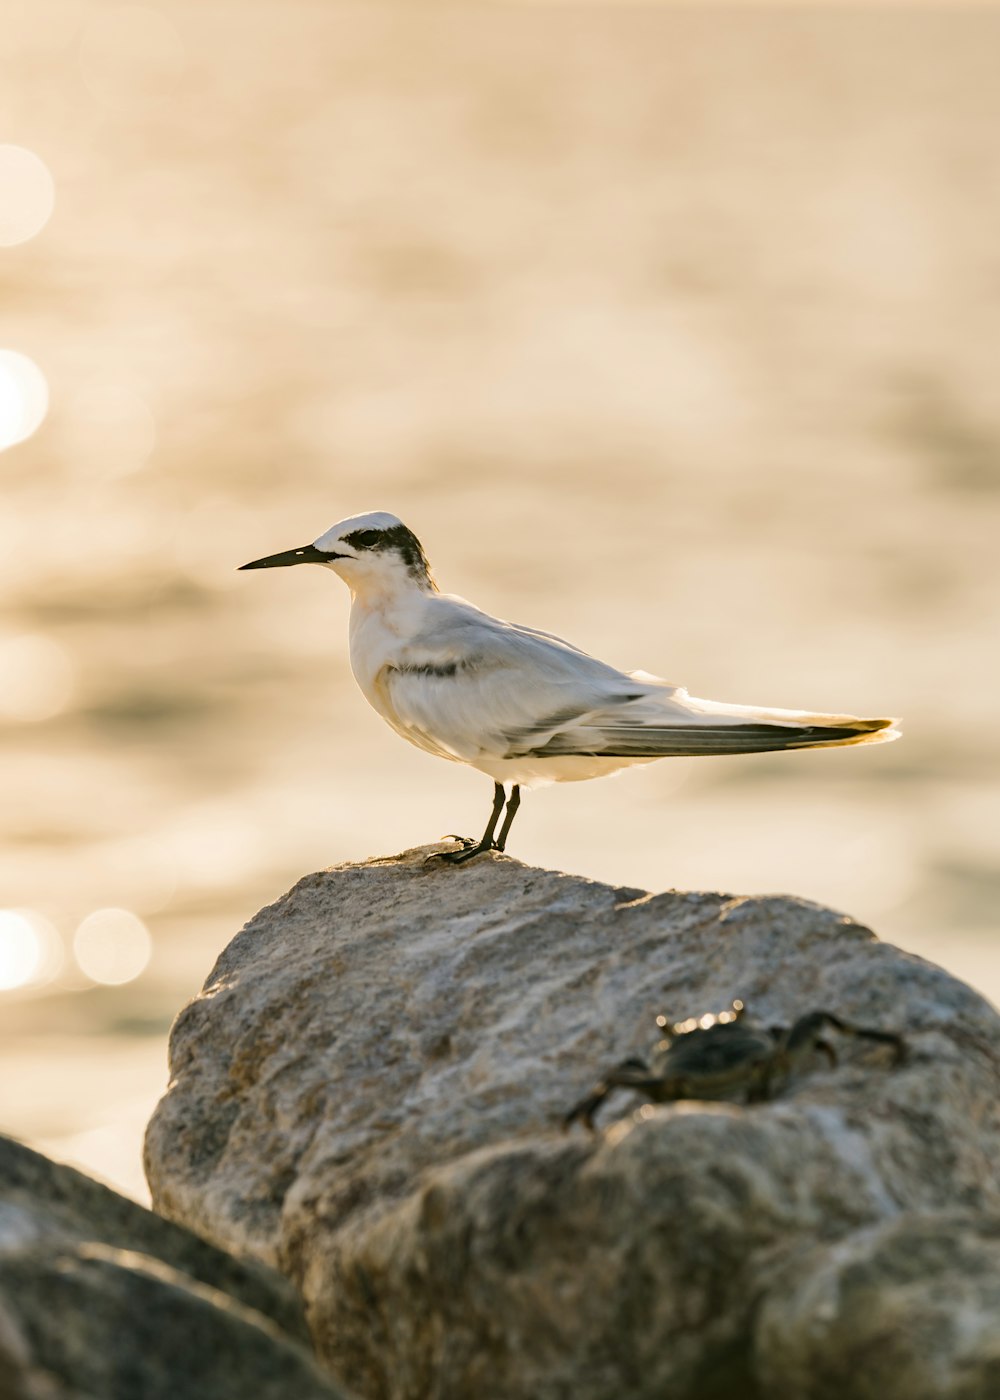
(371, 550)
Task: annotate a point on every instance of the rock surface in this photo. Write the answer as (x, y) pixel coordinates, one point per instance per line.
(368, 1094)
(910, 1308)
(102, 1300)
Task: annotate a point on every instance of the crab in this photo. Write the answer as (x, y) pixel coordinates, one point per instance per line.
(721, 1057)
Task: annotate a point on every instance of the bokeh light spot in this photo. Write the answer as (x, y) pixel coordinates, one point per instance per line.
(24, 397)
(20, 950)
(37, 678)
(27, 195)
(112, 946)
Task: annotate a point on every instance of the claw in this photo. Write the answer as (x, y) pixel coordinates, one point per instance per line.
(475, 848)
(468, 849)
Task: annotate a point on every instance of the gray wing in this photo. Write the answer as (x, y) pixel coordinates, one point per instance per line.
(472, 685)
(606, 737)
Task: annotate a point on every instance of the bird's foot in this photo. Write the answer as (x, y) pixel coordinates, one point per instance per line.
(467, 852)
(469, 849)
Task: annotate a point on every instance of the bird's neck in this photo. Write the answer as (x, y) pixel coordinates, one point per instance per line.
(391, 582)
(391, 591)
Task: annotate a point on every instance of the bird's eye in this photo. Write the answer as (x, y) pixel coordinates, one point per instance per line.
(364, 539)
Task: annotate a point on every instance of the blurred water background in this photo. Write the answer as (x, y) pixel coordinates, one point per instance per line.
(670, 329)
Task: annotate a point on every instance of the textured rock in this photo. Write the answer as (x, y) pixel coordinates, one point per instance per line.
(368, 1092)
(101, 1300)
(908, 1308)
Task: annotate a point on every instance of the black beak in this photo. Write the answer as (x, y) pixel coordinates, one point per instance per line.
(308, 554)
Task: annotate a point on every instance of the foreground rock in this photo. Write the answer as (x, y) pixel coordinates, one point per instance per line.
(368, 1094)
(911, 1307)
(101, 1299)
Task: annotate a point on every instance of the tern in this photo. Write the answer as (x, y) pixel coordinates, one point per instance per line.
(522, 706)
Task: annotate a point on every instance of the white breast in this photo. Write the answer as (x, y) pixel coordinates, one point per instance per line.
(374, 644)
(381, 642)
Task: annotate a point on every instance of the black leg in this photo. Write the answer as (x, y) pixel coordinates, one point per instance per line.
(882, 1038)
(630, 1074)
(512, 806)
(806, 1034)
(486, 844)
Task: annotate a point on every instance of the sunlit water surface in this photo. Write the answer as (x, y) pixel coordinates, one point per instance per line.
(670, 330)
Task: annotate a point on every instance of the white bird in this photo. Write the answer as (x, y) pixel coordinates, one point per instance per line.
(522, 706)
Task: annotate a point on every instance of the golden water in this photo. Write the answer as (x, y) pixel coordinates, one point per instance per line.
(673, 330)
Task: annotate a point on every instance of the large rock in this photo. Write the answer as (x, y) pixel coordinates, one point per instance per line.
(369, 1090)
(911, 1307)
(102, 1300)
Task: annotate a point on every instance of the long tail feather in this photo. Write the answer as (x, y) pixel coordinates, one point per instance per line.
(691, 740)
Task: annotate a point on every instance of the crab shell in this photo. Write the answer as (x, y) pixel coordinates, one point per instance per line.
(713, 1062)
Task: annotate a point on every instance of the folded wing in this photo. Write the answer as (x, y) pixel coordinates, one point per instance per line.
(477, 687)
